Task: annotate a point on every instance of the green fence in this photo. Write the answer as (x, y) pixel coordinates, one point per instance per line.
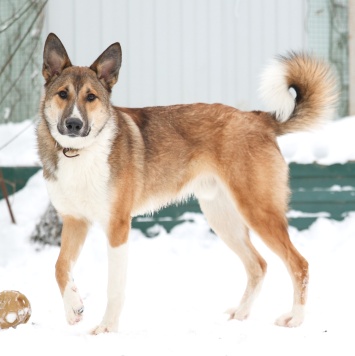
(321, 191)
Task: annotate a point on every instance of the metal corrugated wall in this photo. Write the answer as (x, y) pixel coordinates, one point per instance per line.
(181, 51)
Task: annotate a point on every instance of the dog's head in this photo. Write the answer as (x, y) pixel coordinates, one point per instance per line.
(76, 103)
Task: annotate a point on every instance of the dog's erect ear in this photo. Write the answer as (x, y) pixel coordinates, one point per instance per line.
(108, 65)
(55, 58)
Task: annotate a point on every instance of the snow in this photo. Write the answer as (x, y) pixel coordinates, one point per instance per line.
(22, 151)
(180, 284)
(333, 143)
(301, 214)
(11, 317)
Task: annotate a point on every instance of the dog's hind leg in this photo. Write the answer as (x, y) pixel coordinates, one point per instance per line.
(262, 199)
(271, 226)
(228, 224)
(73, 236)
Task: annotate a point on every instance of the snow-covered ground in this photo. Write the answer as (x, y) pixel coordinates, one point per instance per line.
(180, 284)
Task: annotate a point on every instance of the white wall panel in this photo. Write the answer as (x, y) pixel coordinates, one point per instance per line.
(182, 51)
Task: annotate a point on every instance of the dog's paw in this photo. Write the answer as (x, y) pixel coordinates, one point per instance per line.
(74, 316)
(73, 305)
(291, 320)
(237, 313)
(102, 328)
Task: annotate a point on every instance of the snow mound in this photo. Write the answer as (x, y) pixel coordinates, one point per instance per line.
(334, 143)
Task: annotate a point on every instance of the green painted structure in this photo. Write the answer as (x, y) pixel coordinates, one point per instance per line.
(317, 190)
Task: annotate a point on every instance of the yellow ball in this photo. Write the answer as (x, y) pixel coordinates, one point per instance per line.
(15, 309)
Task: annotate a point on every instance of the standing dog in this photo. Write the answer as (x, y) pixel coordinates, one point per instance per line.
(104, 163)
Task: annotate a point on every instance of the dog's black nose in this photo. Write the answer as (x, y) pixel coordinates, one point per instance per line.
(73, 125)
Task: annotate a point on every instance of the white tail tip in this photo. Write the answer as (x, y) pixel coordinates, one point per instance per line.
(275, 92)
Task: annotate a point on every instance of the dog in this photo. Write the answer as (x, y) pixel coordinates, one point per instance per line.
(106, 164)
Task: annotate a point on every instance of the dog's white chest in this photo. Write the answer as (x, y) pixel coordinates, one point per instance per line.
(82, 185)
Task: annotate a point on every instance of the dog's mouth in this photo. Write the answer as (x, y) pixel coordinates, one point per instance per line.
(81, 134)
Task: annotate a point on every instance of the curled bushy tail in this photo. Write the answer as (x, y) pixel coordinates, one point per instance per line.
(314, 84)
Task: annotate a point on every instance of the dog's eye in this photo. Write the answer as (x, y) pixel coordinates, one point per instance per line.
(91, 97)
(63, 94)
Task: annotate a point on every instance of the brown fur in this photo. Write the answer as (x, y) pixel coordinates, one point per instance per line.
(312, 105)
(73, 237)
(157, 155)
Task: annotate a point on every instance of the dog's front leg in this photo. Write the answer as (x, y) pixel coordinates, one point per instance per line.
(73, 236)
(118, 232)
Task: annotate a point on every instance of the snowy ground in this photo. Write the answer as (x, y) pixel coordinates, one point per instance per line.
(179, 284)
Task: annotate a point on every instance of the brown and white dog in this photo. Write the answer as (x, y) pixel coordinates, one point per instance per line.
(106, 164)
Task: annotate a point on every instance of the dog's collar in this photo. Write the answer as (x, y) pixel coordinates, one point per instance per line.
(67, 150)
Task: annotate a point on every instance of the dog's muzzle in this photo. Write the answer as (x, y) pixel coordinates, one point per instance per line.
(73, 127)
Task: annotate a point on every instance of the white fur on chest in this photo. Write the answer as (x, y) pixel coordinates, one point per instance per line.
(82, 187)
